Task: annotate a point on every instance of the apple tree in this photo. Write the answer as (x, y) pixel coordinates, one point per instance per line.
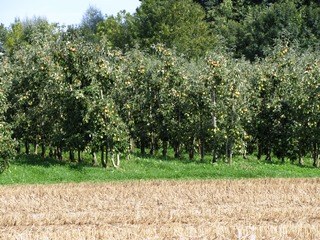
(7, 144)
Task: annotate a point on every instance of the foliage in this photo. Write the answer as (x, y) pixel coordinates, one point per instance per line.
(231, 96)
(90, 21)
(3, 33)
(249, 29)
(118, 30)
(152, 80)
(288, 89)
(7, 144)
(91, 18)
(177, 24)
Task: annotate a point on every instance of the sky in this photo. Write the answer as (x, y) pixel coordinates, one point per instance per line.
(60, 11)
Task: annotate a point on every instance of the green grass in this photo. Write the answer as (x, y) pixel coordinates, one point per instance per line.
(34, 170)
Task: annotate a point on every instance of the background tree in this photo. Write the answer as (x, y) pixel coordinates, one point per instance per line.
(90, 21)
(118, 30)
(280, 21)
(179, 24)
(251, 28)
(311, 24)
(3, 33)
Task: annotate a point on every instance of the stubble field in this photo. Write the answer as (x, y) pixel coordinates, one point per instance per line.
(220, 209)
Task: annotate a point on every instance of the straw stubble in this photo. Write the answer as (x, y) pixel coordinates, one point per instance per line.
(222, 209)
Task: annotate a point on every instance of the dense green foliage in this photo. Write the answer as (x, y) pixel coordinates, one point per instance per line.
(251, 28)
(229, 78)
(7, 144)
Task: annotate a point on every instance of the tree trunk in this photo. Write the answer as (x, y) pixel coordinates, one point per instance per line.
(231, 140)
(190, 148)
(244, 149)
(18, 148)
(214, 127)
(268, 153)
(260, 151)
(301, 162)
(152, 145)
(315, 155)
(94, 158)
(107, 155)
(214, 155)
(229, 150)
(35, 148)
(151, 152)
(176, 144)
(79, 156)
(59, 153)
(201, 150)
(117, 163)
(43, 150)
(176, 150)
(244, 154)
(27, 147)
(132, 145)
(164, 148)
(71, 156)
(103, 160)
(300, 159)
(156, 147)
(191, 154)
(142, 147)
(51, 152)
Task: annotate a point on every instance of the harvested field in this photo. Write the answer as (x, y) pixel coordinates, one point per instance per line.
(223, 209)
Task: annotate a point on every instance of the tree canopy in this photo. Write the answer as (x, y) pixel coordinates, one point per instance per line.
(212, 78)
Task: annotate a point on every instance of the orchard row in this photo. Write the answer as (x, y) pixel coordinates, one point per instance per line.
(64, 94)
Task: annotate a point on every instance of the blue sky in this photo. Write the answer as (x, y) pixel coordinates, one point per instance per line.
(61, 11)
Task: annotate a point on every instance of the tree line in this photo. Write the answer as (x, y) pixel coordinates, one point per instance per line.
(209, 78)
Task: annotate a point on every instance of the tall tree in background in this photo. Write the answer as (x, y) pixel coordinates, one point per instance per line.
(311, 25)
(263, 26)
(90, 20)
(252, 28)
(180, 24)
(3, 33)
(118, 31)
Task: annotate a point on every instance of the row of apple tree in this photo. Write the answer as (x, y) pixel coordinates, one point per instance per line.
(60, 93)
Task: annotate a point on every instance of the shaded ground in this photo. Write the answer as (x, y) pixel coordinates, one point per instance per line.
(220, 209)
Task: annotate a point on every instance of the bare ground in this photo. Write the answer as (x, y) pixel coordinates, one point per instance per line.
(223, 209)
